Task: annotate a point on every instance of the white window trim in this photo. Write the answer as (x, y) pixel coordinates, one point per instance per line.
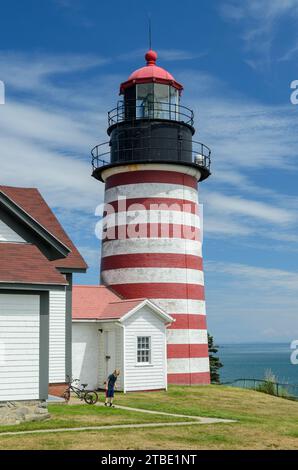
(144, 364)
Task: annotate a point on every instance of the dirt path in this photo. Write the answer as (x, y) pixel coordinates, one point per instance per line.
(201, 419)
(114, 426)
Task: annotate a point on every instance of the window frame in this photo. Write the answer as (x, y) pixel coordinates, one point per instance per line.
(153, 108)
(144, 350)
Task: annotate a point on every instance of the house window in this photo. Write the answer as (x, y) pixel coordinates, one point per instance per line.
(143, 349)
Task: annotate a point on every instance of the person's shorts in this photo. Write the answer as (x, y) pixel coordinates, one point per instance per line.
(110, 392)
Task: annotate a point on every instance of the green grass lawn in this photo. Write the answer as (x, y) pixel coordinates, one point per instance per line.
(263, 422)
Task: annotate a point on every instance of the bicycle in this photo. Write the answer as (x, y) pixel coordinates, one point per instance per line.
(89, 396)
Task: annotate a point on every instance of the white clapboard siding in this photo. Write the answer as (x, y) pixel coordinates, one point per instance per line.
(57, 336)
(7, 234)
(19, 347)
(145, 377)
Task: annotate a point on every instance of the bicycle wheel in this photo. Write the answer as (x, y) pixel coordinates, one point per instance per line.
(66, 395)
(91, 398)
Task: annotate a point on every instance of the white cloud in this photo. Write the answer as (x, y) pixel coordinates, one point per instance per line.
(46, 143)
(244, 207)
(290, 54)
(65, 181)
(216, 225)
(34, 71)
(178, 54)
(259, 21)
(54, 127)
(251, 303)
(264, 279)
(249, 140)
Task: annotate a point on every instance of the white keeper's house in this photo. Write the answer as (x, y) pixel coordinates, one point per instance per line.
(112, 333)
(37, 261)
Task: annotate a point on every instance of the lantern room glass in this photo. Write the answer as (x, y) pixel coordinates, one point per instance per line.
(157, 101)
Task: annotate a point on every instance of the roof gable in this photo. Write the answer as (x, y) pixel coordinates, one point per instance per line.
(7, 232)
(153, 307)
(30, 205)
(17, 211)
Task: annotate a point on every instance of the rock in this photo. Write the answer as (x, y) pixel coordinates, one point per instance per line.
(20, 412)
(11, 404)
(23, 409)
(41, 410)
(38, 417)
(4, 412)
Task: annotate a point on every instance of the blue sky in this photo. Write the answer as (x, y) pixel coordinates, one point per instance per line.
(62, 62)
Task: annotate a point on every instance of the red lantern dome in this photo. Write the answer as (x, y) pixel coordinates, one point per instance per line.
(150, 73)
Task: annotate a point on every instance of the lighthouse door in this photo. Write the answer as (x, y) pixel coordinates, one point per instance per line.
(110, 346)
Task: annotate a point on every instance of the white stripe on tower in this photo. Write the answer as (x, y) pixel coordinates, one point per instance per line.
(147, 275)
(165, 267)
(137, 215)
(160, 190)
(151, 245)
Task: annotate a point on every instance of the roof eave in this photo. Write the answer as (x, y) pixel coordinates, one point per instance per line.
(167, 318)
(163, 81)
(19, 284)
(32, 224)
(69, 269)
(95, 320)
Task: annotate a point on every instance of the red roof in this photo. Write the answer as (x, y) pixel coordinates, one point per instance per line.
(32, 202)
(24, 263)
(150, 73)
(99, 303)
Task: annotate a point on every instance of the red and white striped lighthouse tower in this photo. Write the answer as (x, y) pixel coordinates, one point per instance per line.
(152, 244)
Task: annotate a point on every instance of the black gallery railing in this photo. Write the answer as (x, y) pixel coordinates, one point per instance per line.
(161, 149)
(133, 110)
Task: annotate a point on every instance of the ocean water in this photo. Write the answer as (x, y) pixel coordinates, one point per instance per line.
(245, 361)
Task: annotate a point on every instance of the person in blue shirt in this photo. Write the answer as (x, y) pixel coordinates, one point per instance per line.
(110, 387)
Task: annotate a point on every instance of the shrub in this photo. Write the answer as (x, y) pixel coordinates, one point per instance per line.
(271, 386)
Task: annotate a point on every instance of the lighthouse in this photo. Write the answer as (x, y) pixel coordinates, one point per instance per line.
(152, 244)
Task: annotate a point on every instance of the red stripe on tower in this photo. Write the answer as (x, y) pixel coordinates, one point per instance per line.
(150, 230)
(148, 176)
(194, 321)
(154, 203)
(162, 291)
(187, 350)
(151, 260)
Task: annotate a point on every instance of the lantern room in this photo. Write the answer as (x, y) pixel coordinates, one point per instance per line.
(149, 124)
(151, 92)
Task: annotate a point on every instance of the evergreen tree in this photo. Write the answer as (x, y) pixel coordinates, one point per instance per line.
(215, 363)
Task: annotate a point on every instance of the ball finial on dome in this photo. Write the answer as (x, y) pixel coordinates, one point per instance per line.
(151, 57)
